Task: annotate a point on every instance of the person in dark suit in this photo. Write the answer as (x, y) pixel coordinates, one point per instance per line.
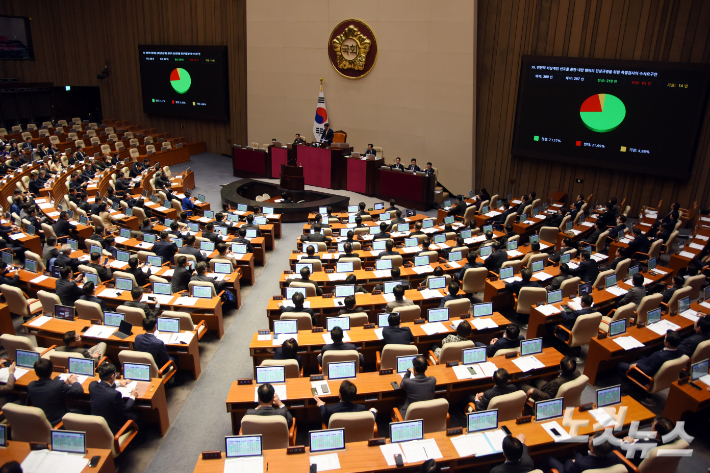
(298, 301)
(569, 318)
(316, 236)
(600, 456)
(668, 291)
(6, 280)
(311, 253)
(298, 140)
(389, 250)
(200, 275)
(496, 259)
(191, 247)
(89, 296)
(62, 227)
(639, 244)
(104, 272)
(319, 220)
(516, 286)
(383, 232)
(392, 203)
(459, 209)
(370, 150)
(510, 339)
(471, 264)
(250, 225)
(181, 276)
(394, 333)
(608, 217)
(136, 271)
(701, 334)
(108, 403)
(327, 134)
(428, 170)
(664, 233)
(620, 226)
(348, 252)
(242, 239)
(165, 247)
(347, 393)
(270, 404)
(35, 186)
(661, 426)
(136, 170)
(557, 281)
(517, 458)
(337, 336)
(500, 379)
(147, 342)
(362, 211)
(598, 230)
(48, 394)
(542, 390)
(413, 166)
(306, 277)
(67, 290)
(650, 365)
(136, 296)
(453, 295)
(636, 293)
(395, 272)
(288, 351)
(588, 269)
(397, 164)
(672, 215)
(416, 384)
(425, 248)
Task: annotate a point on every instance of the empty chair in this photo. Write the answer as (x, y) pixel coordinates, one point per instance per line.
(623, 312)
(165, 372)
(18, 302)
(571, 391)
(527, 297)
(702, 351)
(28, 424)
(458, 307)
(12, 343)
(409, 313)
(584, 329)
(359, 426)
(601, 278)
(474, 280)
(570, 286)
(48, 300)
(291, 368)
(510, 406)
(357, 319)
(98, 433)
(186, 322)
(388, 358)
(549, 234)
(133, 315)
(647, 304)
(622, 269)
(450, 352)
(274, 430)
(695, 282)
(434, 413)
(303, 320)
(396, 260)
(89, 310)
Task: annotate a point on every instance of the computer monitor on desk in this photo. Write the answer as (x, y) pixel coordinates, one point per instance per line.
(698, 370)
(531, 347)
(136, 371)
(609, 396)
(483, 420)
(81, 366)
(64, 312)
(113, 319)
(390, 285)
(345, 290)
(546, 410)
(327, 440)
(26, 359)
(68, 441)
(379, 246)
(270, 374)
(554, 296)
(237, 446)
(383, 320)
(683, 304)
(300, 266)
(290, 291)
(617, 327)
(383, 264)
(341, 370)
(438, 315)
(565, 258)
(202, 292)
(474, 355)
(344, 267)
(483, 309)
(506, 273)
(342, 322)
(123, 284)
(168, 324)
(405, 362)
(486, 251)
(421, 260)
(437, 282)
(406, 431)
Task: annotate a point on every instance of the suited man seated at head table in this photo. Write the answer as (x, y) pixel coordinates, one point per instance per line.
(517, 458)
(416, 384)
(298, 140)
(370, 150)
(510, 339)
(649, 365)
(429, 170)
(269, 404)
(413, 166)
(346, 394)
(397, 165)
(394, 333)
(600, 456)
(337, 336)
(49, 394)
(109, 403)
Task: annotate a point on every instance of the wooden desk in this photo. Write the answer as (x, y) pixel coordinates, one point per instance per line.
(359, 458)
(6, 325)
(310, 344)
(151, 399)
(250, 163)
(18, 451)
(361, 174)
(375, 390)
(323, 167)
(52, 333)
(408, 189)
(686, 399)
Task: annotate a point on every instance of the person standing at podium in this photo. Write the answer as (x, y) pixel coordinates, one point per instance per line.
(398, 165)
(370, 150)
(327, 134)
(413, 166)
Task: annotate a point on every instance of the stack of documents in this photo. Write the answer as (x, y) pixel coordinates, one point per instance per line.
(433, 328)
(42, 461)
(337, 276)
(423, 269)
(542, 276)
(513, 279)
(79, 378)
(628, 343)
(328, 340)
(483, 324)
(174, 338)
(548, 309)
(663, 326)
(430, 293)
(690, 315)
(528, 363)
(514, 253)
(685, 254)
(602, 417)
(412, 452)
(39, 321)
(126, 392)
(616, 290)
(99, 331)
(383, 273)
(243, 464)
(599, 257)
(388, 297)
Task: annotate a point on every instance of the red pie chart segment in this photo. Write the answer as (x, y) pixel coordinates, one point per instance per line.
(592, 104)
(175, 75)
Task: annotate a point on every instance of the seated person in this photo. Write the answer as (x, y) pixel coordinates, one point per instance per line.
(600, 456)
(463, 331)
(146, 227)
(396, 334)
(136, 296)
(242, 232)
(383, 232)
(542, 390)
(701, 333)
(3, 275)
(661, 426)
(567, 245)
(650, 365)
(351, 280)
(599, 228)
(517, 458)
(399, 300)
(668, 292)
(361, 209)
(201, 276)
(417, 230)
(316, 236)
(500, 378)
(319, 221)
(250, 225)
(109, 403)
(389, 251)
(425, 247)
(337, 336)
(65, 260)
(298, 301)
(588, 269)
(534, 250)
(515, 286)
(148, 343)
(89, 296)
(66, 288)
(395, 272)
(348, 248)
(49, 394)
(347, 393)
(471, 264)
(270, 404)
(102, 270)
(497, 258)
(569, 318)
(306, 277)
(557, 281)
(311, 253)
(285, 199)
(73, 344)
(288, 351)
(416, 384)
(511, 339)
(453, 295)
(636, 293)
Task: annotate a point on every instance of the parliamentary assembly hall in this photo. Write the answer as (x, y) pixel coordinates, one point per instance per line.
(280, 236)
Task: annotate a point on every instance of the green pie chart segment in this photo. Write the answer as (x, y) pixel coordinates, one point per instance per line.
(180, 80)
(602, 112)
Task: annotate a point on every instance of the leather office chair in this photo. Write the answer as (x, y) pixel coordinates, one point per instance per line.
(291, 368)
(584, 329)
(122, 275)
(462, 249)
(571, 391)
(18, 302)
(458, 307)
(143, 255)
(319, 246)
(98, 433)
(359, 426)
(622, 269)
(600, 244)
(517, 265)
(396, 260)
(340, 137)
(469, 214)
(434, 413)
(510, 406)
(549, 234)
(133, 315)
(433, 255)
(428, 278)
(165, 372)
(702, 351)
(60, 359)
(601, 278)
(48, 300)
(274, 430)
(135, 154)
(338, 356)
(29, 424)
(317, 264)
(527, 297)
(409, 313)
(623, 312)
(654, 463)
(37, 259)
(570, 286)
(695, 282)
(388, 358)
(303, 320)
(358, 319)
(667, 373)
(87, 310)
(667, 248)
(310, 287)
(450, 352)
(474, 280)
(654, 252)
(186, 322)
(563, 225)
(647, 304)
(534, 258)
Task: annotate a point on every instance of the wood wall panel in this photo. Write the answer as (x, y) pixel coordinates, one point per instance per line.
(647, 30)
(73, 40)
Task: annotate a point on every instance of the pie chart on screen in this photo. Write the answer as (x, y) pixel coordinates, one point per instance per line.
(180, 80)
(602, 112)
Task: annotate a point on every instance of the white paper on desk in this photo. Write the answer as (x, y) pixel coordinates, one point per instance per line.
(126, 392)
(687, 254)
(388, 297)
(161, 298)
(663, 326)
(492, 213)
(575, 304)
(625, 240)
(279, 389)
(374, 253)
(144, 245)
(328, 340)
(39, 321)
(120, 240)
(163, 337)
(587, 224)
(616, 290)
(45, 461)
(411, 249)
(543, 246)
(690, 315)
(528, 363)
(602, 417)
(483, 324)
(705, 304)
(117, 264)
(548, 309)
(705, 379)
(628, 343)
(244, 465)
(514, 253)
(696, 246)
(118, 216)
(473, 444)
(423, 269)
(287, 303)
(701, 237)
(5, 373)
(656, 270)
(84, 258)
(573, 265)
(513, 279)
(337, 276)
(454, 264)
(318, 386)
(433, 328)
(378, 333)
(495, 438)
(646, 281)
(325, 462)
(488, 368)
(281, 338)
(548, 426)
(462, 372)
(109, 293)
(421, 450)
(168, 273)
(53, 214)
(17, 236)
(430, 294)
(80, 378)
(186, 301)
(45, 206)
(389, 451)
(263, 338)
(383, 273)
(542, 276)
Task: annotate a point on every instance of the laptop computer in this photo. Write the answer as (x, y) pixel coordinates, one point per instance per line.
(124, 330)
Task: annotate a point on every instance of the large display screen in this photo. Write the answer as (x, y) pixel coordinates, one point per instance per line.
(625, 115)
(189, 81)
(15, 38)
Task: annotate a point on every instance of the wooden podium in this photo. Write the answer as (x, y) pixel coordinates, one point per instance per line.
(291, 177)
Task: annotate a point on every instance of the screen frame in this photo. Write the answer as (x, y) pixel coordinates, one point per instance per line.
(405, 422)
(596, 395)
(310, 440)
(340, 363)
(549, 401)
(470, 414)
(30, 44)
(269, 368)
(56, 432)
(261, 446)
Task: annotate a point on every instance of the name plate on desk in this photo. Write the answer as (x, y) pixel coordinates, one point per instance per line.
(368, 326)
(39, 446)
(376, 442)
(421, 288)
(327, 296)
(602, 336)
(317, 329)
(370, 269)
(419, 321)
(454, 431)
(586, 407)
(523, 420)
(278, 298)
(245, 381)
(511, 354)
(376, 293)
(296, 449)
(264, 332)
(450, 364)
(212, 455)
(386, 371)
(465, 316)
(317, 377)
(329, 271)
